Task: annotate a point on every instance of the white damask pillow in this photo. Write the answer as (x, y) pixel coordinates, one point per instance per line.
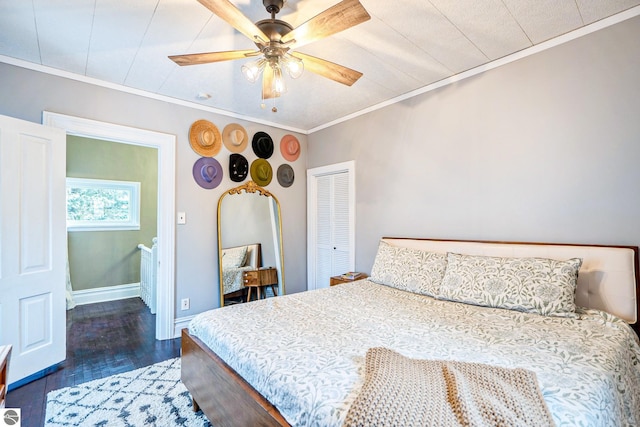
(412, 270)
(234, 257)
(535, 285)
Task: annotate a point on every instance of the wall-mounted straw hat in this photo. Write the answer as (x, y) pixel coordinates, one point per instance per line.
(204, 138)
(235, 138)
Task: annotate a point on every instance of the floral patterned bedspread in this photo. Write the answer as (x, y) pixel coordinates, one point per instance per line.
(305, 352)
(232, 278)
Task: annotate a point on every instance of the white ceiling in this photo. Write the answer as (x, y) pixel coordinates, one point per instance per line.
(407, 46)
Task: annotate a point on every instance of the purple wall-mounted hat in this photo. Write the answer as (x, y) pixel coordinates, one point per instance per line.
(207, 172)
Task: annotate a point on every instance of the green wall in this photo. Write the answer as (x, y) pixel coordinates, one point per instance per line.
(108, 258)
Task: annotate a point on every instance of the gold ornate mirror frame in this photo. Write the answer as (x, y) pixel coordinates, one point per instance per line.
(250, 188)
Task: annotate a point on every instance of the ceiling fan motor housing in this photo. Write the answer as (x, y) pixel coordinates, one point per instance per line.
(275, 29)
(273, 6)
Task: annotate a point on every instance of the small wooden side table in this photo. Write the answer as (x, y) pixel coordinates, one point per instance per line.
(337, 280)
(5, 355)
(266, 276)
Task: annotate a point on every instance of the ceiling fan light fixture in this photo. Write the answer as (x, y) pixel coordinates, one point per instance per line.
(279, 86)
(293, 65)
(252, 70)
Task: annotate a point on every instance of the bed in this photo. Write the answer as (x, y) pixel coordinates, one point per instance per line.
(299, 359)
(235, 261)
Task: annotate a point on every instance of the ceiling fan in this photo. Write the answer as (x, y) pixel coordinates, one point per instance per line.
(276, 40)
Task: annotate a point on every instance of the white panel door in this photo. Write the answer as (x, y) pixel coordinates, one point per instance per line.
(331, 223)
(32, 245)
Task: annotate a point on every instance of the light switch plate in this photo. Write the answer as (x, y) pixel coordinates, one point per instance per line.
(182, 218)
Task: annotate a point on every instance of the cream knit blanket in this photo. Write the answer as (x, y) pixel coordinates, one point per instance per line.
(399, 391)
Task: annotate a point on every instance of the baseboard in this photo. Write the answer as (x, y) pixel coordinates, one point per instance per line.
(181, 323)
(36, 376)
(107, 293)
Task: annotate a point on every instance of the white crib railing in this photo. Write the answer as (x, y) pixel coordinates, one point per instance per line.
(149, 274)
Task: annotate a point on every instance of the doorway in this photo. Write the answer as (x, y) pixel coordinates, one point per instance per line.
(330, 222)
(166, 147)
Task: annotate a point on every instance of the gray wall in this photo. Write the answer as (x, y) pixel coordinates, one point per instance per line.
(543, 149)
(26, 93)
(108, 258)
(546, 148)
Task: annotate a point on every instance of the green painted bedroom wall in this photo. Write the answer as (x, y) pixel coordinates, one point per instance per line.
(108, 258)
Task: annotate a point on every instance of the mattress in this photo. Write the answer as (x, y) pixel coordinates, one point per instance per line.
(305, 352)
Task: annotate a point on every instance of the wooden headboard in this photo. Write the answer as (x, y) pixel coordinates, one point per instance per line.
(254, 255)
(608, 279)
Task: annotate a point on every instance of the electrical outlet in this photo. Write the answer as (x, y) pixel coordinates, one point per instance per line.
(185, 304)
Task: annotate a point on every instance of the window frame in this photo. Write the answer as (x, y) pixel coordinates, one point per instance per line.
(132, 187)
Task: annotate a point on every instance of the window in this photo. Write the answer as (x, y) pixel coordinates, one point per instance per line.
(96, 204)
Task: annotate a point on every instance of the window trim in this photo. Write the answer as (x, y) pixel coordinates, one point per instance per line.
(132, 187)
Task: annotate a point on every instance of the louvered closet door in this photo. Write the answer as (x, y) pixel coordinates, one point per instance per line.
(333, 233)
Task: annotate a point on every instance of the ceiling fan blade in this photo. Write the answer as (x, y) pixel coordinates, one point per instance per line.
(206, 58)
(339, 17)
(228, 12)
(328, 69)
(267, 84)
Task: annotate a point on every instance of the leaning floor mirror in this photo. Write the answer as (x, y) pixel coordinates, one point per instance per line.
(249, 245)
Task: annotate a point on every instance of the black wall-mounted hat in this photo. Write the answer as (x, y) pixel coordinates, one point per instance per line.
(262, 145)
(238, 167)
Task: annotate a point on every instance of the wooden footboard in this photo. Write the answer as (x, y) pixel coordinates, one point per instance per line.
(223, 395)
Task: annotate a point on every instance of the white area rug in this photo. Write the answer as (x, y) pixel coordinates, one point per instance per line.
(151, 396)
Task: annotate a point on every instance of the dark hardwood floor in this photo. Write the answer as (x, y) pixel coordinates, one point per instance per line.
(102, 339)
